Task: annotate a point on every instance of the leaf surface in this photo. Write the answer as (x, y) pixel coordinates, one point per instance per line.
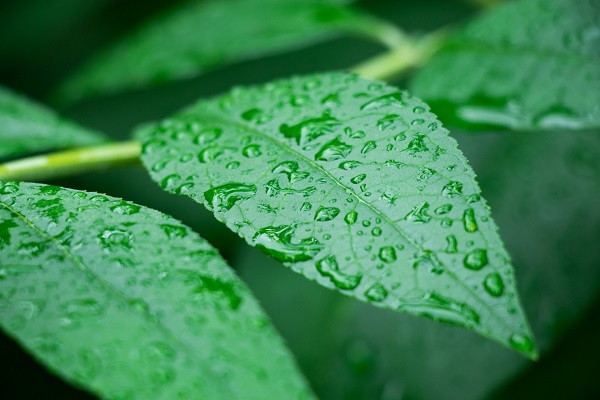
(205, 35)
(27, 127)
(129, 303)
(526, 65)
(354, 184)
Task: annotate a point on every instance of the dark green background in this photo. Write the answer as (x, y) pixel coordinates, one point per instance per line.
(543, 188)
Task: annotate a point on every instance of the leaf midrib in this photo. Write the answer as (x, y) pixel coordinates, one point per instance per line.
(215, 117)
(83, 268)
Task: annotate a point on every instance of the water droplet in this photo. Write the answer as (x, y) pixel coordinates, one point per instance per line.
(389, 100)
(376, 231)
(333, 150)
(112, 238)
(212, 153)
(351, 217)
(418, 110)
(376, 293)
(387, 254)
(277, 241)
(419, 213)
(476, 259)
(224, 197)
(9, 188)
(208, 136)
(493, 284)
(390, 122)
(252, 151)
(232, 165)
(326, 213)
(273, 189)
(306, 206)
(368, 147)
(521, 343)
(443, 209)
(309, 130)
(328, 267)
(451, 248)
(358, 179)
(433, 305)
(469, 220)
(452, 188)
(417, 145)
(348, 165)
(82, 308)
(174, 231)
(125, 208)
(290, 169)
(256, 116)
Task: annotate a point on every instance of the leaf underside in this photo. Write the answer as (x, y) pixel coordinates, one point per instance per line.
(206, 35)
(353, 184)
(526, 65)
(26, 127)
(129, 303)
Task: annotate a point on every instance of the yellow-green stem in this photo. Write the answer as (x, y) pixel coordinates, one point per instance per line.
(70, 162)
(402, 58)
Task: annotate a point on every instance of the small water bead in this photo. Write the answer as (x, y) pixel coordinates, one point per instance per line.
(82, 308)
(451, 189)
(443, 209)
(9, 188)
(387, 122)
(348, 165)
(376, 293)
(439, 308)
(476, 259)
(387, 254)
(255, 116)
(351, 217)
(306, 206)
(358, 178)
(207, 136)
(376, 231)
(418, 110)
(368, 147)
(419, 213)
(521, 343)
(252, 151)
(452, 244)
(493, 284)
(469, 221)
(400, 137)
(232, 165)
(417, 145)
(389, 100)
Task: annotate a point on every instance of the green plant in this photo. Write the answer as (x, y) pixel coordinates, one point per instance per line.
(349, 181)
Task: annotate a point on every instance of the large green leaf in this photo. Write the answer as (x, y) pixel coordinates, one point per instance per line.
(129, 303)
(529, 64)
(26, 127)
(205, 35)
(355, 185)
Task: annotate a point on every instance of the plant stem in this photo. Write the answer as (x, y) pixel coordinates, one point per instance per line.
(408, 54)
(71, 162)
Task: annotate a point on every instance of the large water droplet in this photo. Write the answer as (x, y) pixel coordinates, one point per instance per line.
(476, 259)
(376, 293)
(439, 308)
(521, 343)
(278, 242)
(451, 189)
(224, 197)
(389, 100)
(351, 217)
(329, 268)
(307, 131)
(387, 254)
(469, 220)
(326, 213)
(493, 284)
(333, 150)
(419, 213)
(290, 169)
(368, 147)
(252, 151)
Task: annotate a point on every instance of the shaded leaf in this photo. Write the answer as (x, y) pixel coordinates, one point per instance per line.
(355, 185)
(205, 35)
(27, 127)
(129, 303)
(526, 65)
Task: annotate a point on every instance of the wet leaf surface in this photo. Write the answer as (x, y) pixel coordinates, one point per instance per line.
(353, 184)
(27, 127)
(525, 65)
(129, 303)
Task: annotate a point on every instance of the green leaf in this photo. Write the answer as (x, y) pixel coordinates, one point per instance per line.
(27, 127)
(205, 35)
(129, 303)
(526, 65)
(355, 185)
